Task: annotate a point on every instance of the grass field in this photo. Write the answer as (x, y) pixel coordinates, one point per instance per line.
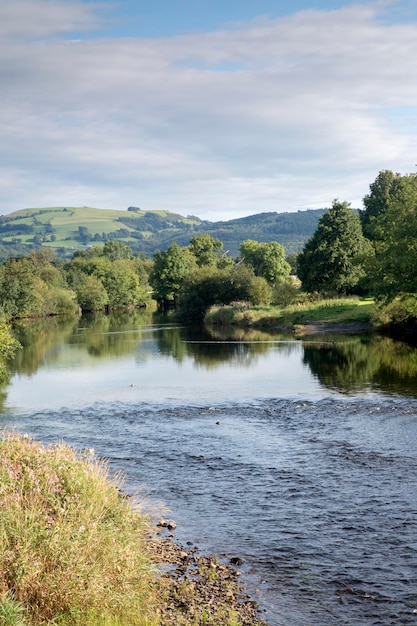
(58, 227)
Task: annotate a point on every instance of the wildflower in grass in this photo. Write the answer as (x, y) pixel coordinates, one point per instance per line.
(70, 546)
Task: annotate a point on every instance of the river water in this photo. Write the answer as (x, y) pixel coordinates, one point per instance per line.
(298, 456)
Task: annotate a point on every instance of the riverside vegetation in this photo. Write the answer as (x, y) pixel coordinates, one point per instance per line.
(76, 551)
(367, 253)
(72, 550)
(349, 312)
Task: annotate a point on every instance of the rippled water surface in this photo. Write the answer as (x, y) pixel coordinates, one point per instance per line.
(308, 472)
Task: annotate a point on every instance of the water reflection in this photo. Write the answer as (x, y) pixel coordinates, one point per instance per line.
(345, 364)
(113, 335)
(40, 340)
(371, 362)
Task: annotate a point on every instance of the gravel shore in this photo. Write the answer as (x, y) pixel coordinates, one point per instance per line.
(200, 588)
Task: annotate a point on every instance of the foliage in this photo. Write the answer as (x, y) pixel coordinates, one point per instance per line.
(266, 259)
(169, 271)
(209, 285)
(72, 547)
(393, 269)
(286, 292)
(115, 250)
(388, 191)
(292, 261)
(399, 312)
(91, 293)
(17, 287)
(32, 286)
(121, 282)
(333, 259)
(40, 284)
(206, 249)
(108, 277)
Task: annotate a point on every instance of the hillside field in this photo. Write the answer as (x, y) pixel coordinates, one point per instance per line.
(67, 229)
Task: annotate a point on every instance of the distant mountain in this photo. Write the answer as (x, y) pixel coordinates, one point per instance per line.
(66, 229)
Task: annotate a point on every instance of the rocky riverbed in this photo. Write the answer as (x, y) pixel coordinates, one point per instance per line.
(199, 588)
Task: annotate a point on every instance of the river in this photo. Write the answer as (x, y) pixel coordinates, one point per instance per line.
(298, 456)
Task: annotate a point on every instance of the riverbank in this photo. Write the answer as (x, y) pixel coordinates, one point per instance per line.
(77, 551)
(202, 590)
(351, 314)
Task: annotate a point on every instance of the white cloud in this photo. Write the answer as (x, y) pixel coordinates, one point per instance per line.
(32, 19)
(274, 115)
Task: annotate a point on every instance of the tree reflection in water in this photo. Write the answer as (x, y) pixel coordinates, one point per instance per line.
(341, 363)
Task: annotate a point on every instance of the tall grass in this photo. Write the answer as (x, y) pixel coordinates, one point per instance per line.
(341, 310)
(72, 550)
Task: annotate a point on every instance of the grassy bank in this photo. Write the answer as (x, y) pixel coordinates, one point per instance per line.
(295, 317)
(74, 551)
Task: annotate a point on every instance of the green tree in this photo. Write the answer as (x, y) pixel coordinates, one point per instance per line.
(83, 234)
(394, 269)
(119, 279)
(34, 286)
(390, 219)
(121, 282)
(388, 191)
(209, 285)
(266, 259)
(292, 260)
(333, 259)
(169, 271)
(17, 287)
(91, 293)
(206, 249)
(114, 250)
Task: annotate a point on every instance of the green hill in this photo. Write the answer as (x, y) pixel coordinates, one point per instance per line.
(67, 229)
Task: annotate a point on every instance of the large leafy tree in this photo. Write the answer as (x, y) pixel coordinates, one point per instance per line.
(17, 287)
(169, 271)
(390, 221)
(386, 194)
(121, 282)
(206, 249)
(266, 259)
(333, 259)
(394, 269)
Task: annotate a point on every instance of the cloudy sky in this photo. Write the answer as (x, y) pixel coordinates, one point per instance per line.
(216, 108)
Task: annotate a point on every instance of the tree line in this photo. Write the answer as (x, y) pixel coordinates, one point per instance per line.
(111, 276)
(368, 252)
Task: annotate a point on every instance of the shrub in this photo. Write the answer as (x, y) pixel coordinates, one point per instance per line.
(286, 293)
(400, 312)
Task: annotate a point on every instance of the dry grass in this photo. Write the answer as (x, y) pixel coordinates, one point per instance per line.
(75, 551)
(72, 550)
